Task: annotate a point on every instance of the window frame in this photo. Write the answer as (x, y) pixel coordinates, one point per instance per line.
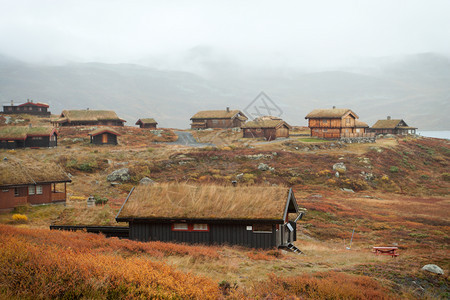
(255, 228)
(190, 227)
(31, 190)
(39, 190)
(180, 229)
(193, 227)
(16, 192)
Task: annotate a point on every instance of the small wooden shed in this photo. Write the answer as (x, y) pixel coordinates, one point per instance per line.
(104, 136)
(147, 123)
(267, 127)
(252, 216)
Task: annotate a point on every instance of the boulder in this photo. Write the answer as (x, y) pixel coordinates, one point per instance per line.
(119, 175)
(265, 167)
(146, 181)
(339, 167)
(433, 269)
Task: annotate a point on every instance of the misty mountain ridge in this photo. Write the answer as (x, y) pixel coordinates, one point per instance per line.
(414, 88)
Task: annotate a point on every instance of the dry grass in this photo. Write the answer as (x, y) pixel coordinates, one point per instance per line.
(206, 201)
(89, 115)
(22, 172)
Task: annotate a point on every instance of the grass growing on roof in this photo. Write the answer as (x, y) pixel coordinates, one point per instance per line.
(206, 201)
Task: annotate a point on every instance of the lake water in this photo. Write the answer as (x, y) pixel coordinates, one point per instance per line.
(435, 134)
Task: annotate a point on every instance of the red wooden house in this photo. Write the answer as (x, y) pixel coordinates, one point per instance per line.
(30, 108)
(36, 183)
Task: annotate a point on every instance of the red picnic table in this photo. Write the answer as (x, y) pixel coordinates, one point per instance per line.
(386, 251)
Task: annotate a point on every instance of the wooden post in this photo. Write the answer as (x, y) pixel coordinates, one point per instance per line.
(65, 191)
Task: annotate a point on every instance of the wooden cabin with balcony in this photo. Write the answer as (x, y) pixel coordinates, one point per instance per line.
(25, 183)
(392, 126)
(252, 216)
(332, 123)
(218, 119)
(267, 127)
(149, 123)
(13, 137)
(87, 117)
(104, 136)
(29, 108)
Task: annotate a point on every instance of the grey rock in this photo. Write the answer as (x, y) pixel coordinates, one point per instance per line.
(340, 167)
(348, 190)
(90, 201)
(265, 167)
(306, 149)
(239, 176)
(115, 183)
(336, 174)
(119, 175)
(146, 181)
(316, 196)
(433, 269)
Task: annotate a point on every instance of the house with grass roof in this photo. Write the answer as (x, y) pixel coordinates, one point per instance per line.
(267, 127)
(218, 119)
(392, 126)
(252, 216)
(149, 123)
(24, 183)
(104, 136)
(13, 137)
(87, 117)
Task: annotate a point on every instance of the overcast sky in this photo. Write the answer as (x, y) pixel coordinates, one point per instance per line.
(278, 33)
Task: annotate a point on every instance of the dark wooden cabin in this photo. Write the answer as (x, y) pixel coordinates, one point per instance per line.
(104, 136)
(251, 216)
(267, 127)
(89, 118)
(218, 119)
(13, 137)
(392, 126)
(147, 123)
(39, 183)
(29, 108)
(360, 127)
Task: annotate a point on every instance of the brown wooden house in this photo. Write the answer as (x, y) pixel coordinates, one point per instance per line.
(147, 123)
(331, 123)
(251, 216)
(267, 127)
(218, 119)
(104, 136)
(12, 137)
(392, 126)
(89, 118)
(30, 108)
(38, 183)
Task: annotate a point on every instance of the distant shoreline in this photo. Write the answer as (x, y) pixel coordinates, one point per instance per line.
(440, 134)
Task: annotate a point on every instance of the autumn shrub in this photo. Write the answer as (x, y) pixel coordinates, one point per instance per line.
(393, 169)
(446, 176)
(329, 285)
(19, 218)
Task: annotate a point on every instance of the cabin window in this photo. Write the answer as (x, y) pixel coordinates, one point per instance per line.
(347, 121)
(10, 108)
(180, 227)
(31, 190)
(262, 228)
(215, 122)
(16, 192)
(5, 190)
(324, 121)
(39, 190)
(37, 137)
(325, 130)
(200, 227)
(258, 130)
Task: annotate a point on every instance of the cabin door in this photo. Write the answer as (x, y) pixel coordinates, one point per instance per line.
(105, 138)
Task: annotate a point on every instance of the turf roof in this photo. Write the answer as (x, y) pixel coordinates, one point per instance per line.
(330, 113)
(172, 200)
(88, 115)
(21, 132)
(218, 114)
(21, 173)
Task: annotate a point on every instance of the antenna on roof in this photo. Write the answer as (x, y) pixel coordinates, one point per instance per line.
(12, 102)
(388, 117)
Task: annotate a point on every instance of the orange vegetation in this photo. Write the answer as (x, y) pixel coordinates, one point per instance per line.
(46, 264)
